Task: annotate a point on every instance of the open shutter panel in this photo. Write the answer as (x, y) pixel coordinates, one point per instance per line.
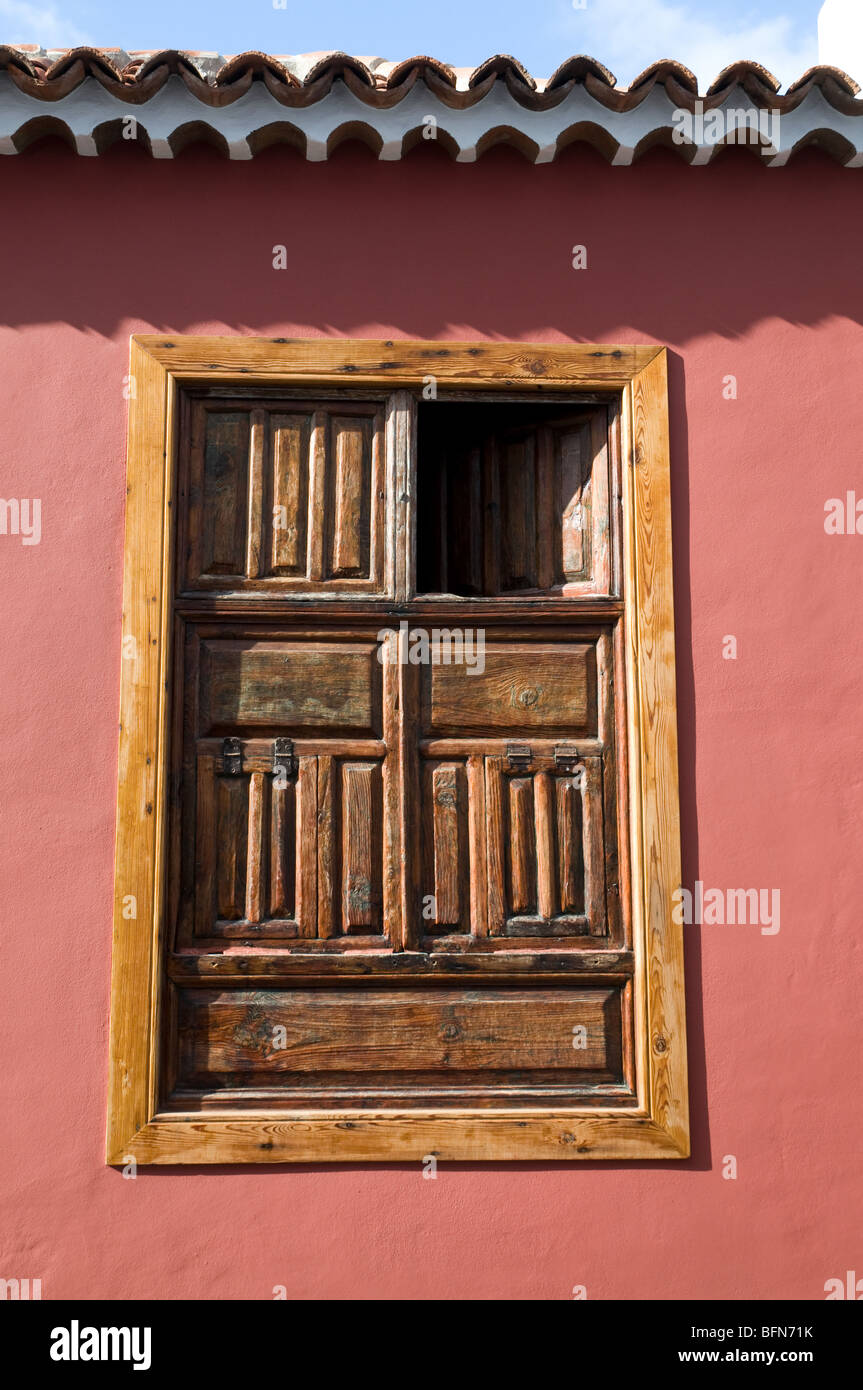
(353, 821)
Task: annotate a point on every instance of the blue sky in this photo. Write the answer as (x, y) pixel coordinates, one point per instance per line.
(626, 35)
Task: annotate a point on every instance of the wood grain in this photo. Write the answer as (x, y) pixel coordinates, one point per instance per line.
(229, 548)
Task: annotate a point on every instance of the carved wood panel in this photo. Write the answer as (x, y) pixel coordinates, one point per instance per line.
(284, 499)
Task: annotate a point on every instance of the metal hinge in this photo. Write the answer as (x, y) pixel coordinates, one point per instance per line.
(566, 757)
(519, 756)
(284, 761)
(232, 757)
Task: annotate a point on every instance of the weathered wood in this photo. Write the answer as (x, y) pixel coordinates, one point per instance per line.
(546, 894)
(522, 846)
(255, 854)
(360, 853)
(283, 850)
(360, 362)
(464, 958)
(477, 845)
(445, 798)
(296, 686)
(307, 846)
(380, 1034)
(289, 522)
(516, 828)
(255, 522)
(327, 922)
(545, 687)
(351, 484)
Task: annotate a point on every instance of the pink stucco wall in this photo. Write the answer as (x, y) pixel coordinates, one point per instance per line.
(742, 271)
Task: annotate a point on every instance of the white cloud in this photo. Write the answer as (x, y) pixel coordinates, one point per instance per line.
(628, 35)
(21, 22)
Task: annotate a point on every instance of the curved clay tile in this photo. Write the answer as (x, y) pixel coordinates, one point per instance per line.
(196, 69)
(822, 74)
(623, 126)
(256, 63)
(94, 63)
(744, 74)
(171, 59)
(334, 65)
(660, 71)
(421, 67)
(18, 62)
(50, 81)
(502, 65)
(577, 68)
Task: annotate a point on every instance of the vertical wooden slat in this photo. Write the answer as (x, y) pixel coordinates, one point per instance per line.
(327, 925)
(446, 845)
(600, 497)
(205, 848)
(317, 493)
(408, 804)
(491, 517)
(225, 493)
(391, 775)
(477, 845)
(460, 522)
(359, 814)
(291, 435)
(518, 514)
(232, 831)
(570, 474)
(377, 519)
(474, 511)
(546, 895)
(650, 615)
(522, 891)
(442, 521)
(570, 846)
(283, 850)
(401, 464)
(350, 483)
(194, 520)
(255, 519)
(494, 791)
(546, 522)
(306, 814)
(605, 663)
(255, 848)
(594, 848)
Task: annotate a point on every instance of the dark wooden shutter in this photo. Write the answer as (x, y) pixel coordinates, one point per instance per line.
(395, 885)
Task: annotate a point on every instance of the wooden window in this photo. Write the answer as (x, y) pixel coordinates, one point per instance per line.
(397, 827)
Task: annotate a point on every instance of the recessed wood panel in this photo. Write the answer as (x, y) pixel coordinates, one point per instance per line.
(288, 531)
(546, 688)
(445, 875)
(300, 687)
(225, 492)
(285, 499)
(255, 839)
(350, 480)
(546, 849)
(376, 1040)
(295, 856)
(361, 849)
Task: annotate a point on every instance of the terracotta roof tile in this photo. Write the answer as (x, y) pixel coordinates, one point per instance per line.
(328, 93)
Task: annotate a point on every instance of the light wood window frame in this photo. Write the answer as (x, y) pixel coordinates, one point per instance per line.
(658, 1126)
